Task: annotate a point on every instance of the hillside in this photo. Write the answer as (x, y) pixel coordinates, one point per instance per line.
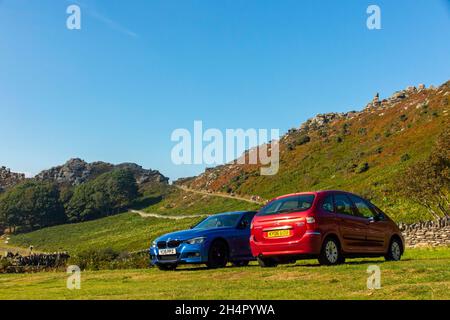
(128, 231)
(363, 152)
(122, 232)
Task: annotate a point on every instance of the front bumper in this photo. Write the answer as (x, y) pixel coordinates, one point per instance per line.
(185, 254)
(309, 244)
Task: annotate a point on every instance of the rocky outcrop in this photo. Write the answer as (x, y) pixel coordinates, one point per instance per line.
(9, 179)
(76, 171)
(429, 233)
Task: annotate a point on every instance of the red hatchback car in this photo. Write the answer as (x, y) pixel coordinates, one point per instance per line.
(328, 225)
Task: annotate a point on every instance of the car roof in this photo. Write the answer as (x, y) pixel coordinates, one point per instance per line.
(232, 212)
(309, 193)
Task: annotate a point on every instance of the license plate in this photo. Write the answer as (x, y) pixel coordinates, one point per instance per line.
(165, 252)
(278, 233)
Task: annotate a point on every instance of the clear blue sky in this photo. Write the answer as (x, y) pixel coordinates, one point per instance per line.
(115, 90)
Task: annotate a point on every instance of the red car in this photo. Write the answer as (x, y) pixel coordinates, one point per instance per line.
(328, 225)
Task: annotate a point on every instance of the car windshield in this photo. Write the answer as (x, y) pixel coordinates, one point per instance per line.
(288, 204)
(219, 221)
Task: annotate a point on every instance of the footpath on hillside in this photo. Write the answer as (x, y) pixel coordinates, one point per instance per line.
(218, 194)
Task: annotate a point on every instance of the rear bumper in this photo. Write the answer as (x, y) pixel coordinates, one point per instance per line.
(185, 254)
(309, 244)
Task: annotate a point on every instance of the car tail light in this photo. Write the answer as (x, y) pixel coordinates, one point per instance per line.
(310, 220)
(311, 223)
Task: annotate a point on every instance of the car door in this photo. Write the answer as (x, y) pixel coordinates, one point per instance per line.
(242, 236)
(376, 226)
(352, 227)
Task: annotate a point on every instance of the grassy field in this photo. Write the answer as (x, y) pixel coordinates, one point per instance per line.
(422, 274)
(123, 232)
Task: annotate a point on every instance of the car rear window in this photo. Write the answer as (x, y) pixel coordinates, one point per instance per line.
(288, 204)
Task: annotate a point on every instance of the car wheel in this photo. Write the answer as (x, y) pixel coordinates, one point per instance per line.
(243, 263)
(330, 254)
(167, 267)
(267, 262)
(395, 251)
(218, 255)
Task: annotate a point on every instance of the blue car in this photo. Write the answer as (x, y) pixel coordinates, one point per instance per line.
(214, 241)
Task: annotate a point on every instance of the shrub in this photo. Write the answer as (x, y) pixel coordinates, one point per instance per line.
(403, 117)
(302, 140)
(405, 157)
(363, 167)
(362, 131)
(108, 259)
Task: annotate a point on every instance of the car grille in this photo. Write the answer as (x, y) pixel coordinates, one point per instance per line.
(169, 244)
(173, 243)
(168, 258)
(161, 244)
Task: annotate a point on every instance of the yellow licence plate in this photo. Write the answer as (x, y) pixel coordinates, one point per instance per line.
(278, 233)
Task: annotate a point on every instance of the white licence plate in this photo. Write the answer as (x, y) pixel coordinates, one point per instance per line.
(165, 252)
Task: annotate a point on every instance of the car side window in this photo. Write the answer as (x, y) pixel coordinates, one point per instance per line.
(327, 204)
(362, 207)
(380, 214)
(246, 220)
(343, 204)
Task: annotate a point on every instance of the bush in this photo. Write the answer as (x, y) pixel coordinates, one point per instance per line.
(302, 140)
(109, 259)
(405, 157)
(363, 167)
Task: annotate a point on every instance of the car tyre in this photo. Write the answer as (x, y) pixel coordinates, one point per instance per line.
(331, 254)
(395, 250)
(267, 262)
(167, 267)
(218, 255)
(242, 263)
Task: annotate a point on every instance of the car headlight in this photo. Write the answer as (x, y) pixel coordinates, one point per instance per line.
(154, 244)
(196, 240)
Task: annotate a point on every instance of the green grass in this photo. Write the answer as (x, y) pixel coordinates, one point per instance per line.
(124, 232)
(422, 274)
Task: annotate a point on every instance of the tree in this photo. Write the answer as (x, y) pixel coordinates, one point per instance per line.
(108, 194)
(31, 205)
(428, 182)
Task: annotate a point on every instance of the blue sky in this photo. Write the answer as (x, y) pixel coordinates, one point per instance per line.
(116, 89)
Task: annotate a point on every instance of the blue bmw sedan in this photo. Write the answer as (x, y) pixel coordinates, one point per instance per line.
(214, 241)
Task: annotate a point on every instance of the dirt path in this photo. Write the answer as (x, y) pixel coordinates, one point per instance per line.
(217, 194)
(160, 216)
